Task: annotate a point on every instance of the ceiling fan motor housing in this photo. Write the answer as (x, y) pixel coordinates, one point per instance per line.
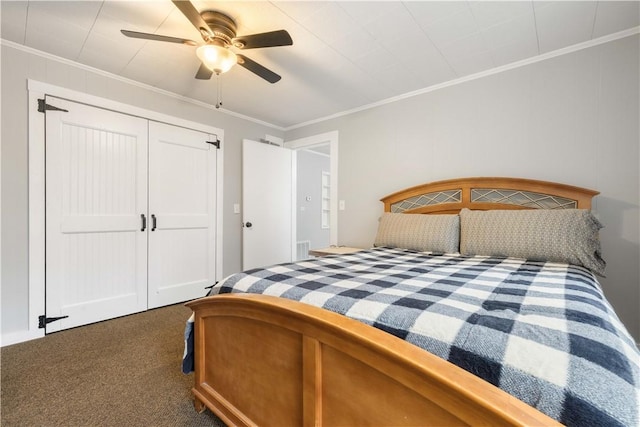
(222, 26)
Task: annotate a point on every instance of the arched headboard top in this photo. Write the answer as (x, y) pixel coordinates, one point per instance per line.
(487, 193)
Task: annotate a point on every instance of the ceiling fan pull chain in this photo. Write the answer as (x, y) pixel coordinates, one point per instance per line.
(219, 91)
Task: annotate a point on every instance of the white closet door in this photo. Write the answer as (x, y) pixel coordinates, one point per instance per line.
(182, 202)
(96, 187)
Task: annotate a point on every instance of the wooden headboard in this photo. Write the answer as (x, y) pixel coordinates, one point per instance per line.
(485, 193)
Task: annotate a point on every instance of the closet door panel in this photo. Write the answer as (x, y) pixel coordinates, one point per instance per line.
(182, 200)
(96, 192)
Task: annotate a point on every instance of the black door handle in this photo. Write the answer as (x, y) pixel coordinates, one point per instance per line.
(248, 225)
(153, 222)
(144, 222)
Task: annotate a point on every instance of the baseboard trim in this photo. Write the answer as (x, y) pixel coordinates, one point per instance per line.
(18, 337)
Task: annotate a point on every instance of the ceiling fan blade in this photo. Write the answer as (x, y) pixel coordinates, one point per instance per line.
(194, 17)
(157, 37)
(258, 69)
(270, 39)
(203, 73)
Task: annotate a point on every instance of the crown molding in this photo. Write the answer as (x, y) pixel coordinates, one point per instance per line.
(570, 49)
(497, 70)
(69, 62)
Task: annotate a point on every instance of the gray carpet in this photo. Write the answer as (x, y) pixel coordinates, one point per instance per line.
(120, 372)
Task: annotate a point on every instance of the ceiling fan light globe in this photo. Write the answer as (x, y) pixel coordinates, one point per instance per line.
(217, 58)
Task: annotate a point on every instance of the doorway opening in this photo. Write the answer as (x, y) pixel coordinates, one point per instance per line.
(316, 193)
(313, 199)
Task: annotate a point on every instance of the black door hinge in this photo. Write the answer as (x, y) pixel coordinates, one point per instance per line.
(215, 143)
(43, 106)
(44, 320)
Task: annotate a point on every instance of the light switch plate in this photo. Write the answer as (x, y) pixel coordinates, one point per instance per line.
(236, 208)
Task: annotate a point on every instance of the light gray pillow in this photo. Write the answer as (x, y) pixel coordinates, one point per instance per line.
(564, 235)
(418, 232)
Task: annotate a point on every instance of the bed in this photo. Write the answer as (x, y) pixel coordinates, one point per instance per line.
(477, 305)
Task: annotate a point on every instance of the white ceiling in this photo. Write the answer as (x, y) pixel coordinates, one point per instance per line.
(345, 54)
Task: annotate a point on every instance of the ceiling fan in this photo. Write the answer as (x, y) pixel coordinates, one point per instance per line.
(219, 33)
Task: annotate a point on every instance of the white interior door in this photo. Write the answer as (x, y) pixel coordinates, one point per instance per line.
(96, 197)
(182, 208)
(267, 195)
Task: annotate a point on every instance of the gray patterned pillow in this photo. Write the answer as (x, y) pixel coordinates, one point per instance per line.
(435, 233)
(564, 235)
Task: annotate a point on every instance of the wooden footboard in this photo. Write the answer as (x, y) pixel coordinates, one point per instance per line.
(261, 360)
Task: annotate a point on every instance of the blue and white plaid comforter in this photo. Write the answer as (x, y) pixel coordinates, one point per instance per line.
(542, 332)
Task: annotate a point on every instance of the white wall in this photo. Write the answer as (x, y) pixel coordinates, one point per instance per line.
(17, 67)
(572, 119)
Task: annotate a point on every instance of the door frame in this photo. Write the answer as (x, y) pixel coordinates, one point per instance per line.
(36, 122)
(332, 138)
